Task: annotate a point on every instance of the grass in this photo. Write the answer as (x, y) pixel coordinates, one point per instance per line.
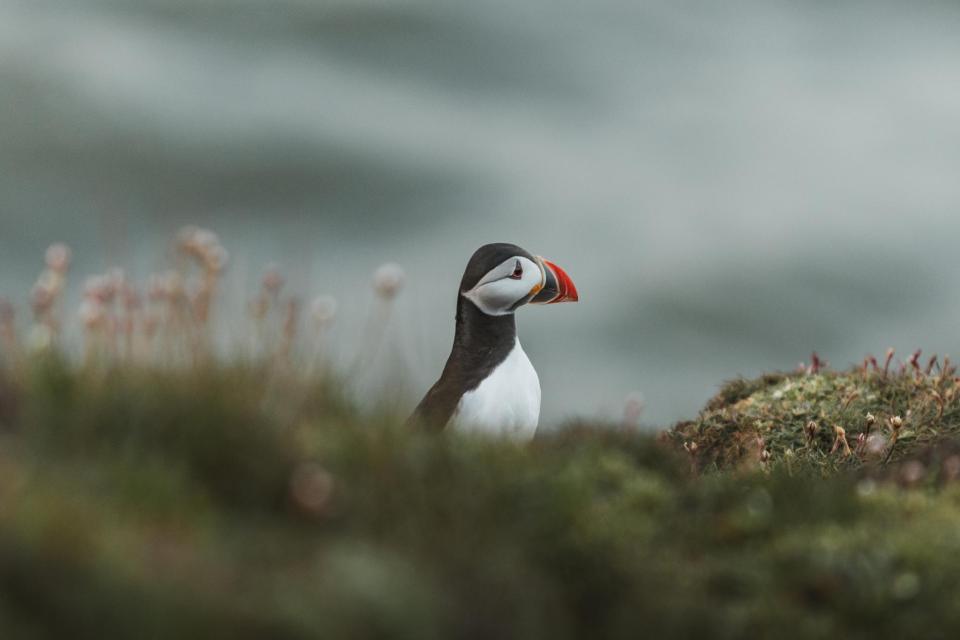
(152, 489)
(144, 502)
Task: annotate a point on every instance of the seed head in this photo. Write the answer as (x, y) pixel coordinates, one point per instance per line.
(204, 246)
(387, 280)
(841, 441)
(58, 257)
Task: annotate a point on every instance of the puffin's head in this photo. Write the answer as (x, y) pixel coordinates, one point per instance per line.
(502, 277)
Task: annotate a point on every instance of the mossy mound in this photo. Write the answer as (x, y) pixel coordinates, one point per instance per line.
(825, 421)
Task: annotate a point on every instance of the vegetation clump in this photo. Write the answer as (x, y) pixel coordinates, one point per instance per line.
(827, 421)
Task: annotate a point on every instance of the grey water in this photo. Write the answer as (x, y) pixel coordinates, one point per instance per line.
(731, 185)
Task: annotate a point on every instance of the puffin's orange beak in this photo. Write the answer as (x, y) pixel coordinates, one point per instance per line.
(557, 286)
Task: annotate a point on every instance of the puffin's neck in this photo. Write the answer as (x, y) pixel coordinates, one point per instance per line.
(481, 341)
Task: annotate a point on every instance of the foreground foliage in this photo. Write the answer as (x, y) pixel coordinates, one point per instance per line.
(237, 502)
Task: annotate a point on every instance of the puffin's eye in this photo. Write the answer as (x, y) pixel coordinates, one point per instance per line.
(517, 271)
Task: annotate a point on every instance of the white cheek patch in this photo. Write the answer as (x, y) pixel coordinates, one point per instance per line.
(497, 293)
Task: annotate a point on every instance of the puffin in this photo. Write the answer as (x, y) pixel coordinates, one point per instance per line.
(488, 384)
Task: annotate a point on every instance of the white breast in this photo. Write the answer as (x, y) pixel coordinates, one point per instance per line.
(507, 402)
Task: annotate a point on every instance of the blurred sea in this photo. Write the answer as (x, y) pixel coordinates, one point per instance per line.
(731, 185)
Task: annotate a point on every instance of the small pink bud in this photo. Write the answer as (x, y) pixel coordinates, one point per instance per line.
(889, 359)
(915, 359)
